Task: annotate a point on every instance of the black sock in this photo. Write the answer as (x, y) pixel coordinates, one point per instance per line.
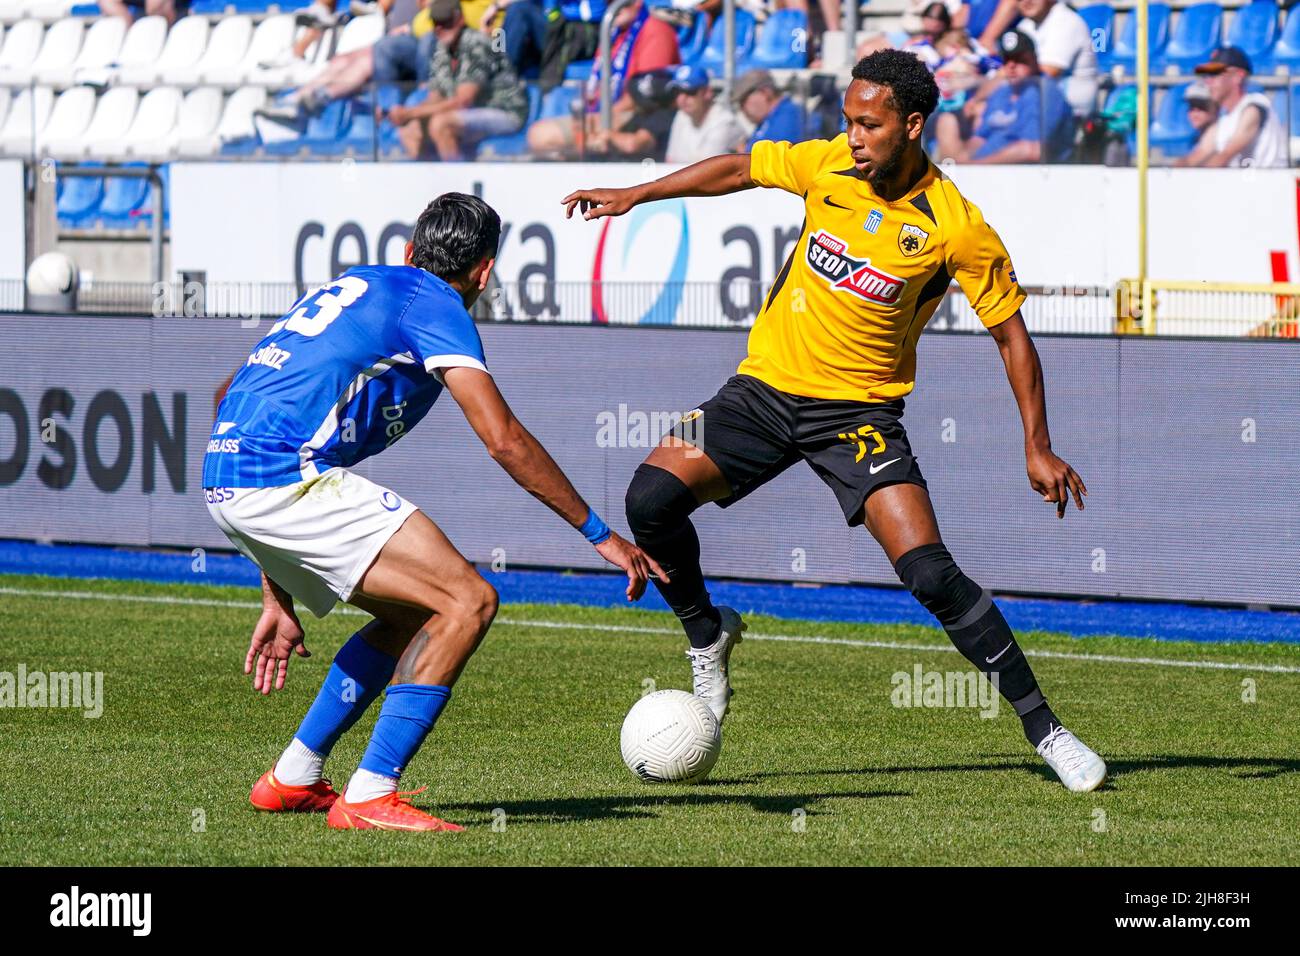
(978, 630)
(659, 506)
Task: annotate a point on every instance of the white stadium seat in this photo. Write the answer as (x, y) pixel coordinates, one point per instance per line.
(226, 47)
(68, 119)
(184, 47)
(297, 72)
(140, 50)
(111, 119)
(22, 44)
(236, 123)
(199, 115)
(152, 130)
(102, 44)
(360, 32)
(5, 97)
(272, 37)
(29, 111)
(60, 48)
(11, 11)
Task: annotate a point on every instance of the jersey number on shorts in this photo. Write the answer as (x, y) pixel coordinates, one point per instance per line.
(323, 306)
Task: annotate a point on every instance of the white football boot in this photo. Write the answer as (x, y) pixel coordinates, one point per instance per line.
(1081, 770)
(709, 664)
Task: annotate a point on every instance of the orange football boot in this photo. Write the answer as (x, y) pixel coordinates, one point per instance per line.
(389, 812)
(275, 797)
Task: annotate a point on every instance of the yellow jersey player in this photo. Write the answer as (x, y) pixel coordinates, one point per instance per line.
(831, 356)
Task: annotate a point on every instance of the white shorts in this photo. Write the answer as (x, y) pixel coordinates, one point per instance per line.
(317, 538)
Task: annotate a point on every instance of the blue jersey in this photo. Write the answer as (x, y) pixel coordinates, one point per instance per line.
(353, 367)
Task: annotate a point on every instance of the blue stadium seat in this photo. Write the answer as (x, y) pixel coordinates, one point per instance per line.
(361, 137)
(1193, 37)
(144, 215)
(1254, 29)
(515, 144)
(124, 201)
(558, 102)
(714, 54)
(324, 130)
(1171, 131)
(1286, 51)
(782, 42)
(1125, 52)
(578, 69)
(85, 10)
(1100, 18)
(77, 200)
(691, 39)
(210, 7)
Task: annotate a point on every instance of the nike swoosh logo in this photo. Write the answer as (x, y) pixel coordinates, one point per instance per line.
(990, 660)
(827, 201)
(884, 464)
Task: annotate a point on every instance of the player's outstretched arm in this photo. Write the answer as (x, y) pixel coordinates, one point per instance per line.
(1050, 476)
(277, 636)
(524, 459)
(715, 176)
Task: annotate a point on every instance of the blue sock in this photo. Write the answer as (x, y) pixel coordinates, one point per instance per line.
(355, 679)
(408, 714)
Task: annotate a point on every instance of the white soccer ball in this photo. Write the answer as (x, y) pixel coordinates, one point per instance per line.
(670, 736)
(53, 273)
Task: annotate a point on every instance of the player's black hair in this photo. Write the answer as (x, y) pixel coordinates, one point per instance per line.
(911, 85)
(453, 234)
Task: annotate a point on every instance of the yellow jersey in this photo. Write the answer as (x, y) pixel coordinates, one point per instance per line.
(842, 319)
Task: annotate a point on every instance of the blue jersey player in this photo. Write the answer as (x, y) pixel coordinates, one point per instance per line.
(351, 369)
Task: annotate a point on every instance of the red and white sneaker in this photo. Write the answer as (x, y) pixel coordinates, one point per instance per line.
(389, 812)
(273, 796)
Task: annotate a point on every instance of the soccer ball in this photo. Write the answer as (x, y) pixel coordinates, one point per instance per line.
(51, 274)
(670, 736)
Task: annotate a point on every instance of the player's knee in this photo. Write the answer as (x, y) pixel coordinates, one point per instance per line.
(934, 579)
(483, 605)
(656, 501)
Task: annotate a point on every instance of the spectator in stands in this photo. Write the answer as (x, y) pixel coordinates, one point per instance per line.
(645, 134)
(473, 91)
(640, 43)
(1201, 111)
(1026, 120)
(1065, 53)
(916, 11)
(703, 127)
(525, 26)
(1004, 18)
(774, 115)
(963, 67)
(393, 58)
(402, 55)
(1246, 131)
(128, 10)
(935, 22)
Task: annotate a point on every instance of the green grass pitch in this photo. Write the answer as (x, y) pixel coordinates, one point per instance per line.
(818, 767)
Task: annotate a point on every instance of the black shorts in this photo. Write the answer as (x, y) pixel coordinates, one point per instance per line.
(753, 432)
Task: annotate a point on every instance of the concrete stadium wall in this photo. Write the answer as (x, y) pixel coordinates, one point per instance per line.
(1190, 450)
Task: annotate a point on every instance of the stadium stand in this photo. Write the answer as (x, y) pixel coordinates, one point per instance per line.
(77, 85)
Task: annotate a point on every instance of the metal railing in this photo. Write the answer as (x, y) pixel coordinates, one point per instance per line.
(1182, 308)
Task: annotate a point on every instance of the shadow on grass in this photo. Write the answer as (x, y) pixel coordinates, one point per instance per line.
(1244, 768)
(643, 806)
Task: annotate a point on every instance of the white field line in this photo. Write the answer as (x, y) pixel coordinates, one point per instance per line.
(629, 629)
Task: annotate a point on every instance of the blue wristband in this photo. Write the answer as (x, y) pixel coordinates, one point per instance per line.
(594, 529)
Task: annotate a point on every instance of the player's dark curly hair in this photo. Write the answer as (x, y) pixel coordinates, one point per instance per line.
(453, 234)
(911, 85)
